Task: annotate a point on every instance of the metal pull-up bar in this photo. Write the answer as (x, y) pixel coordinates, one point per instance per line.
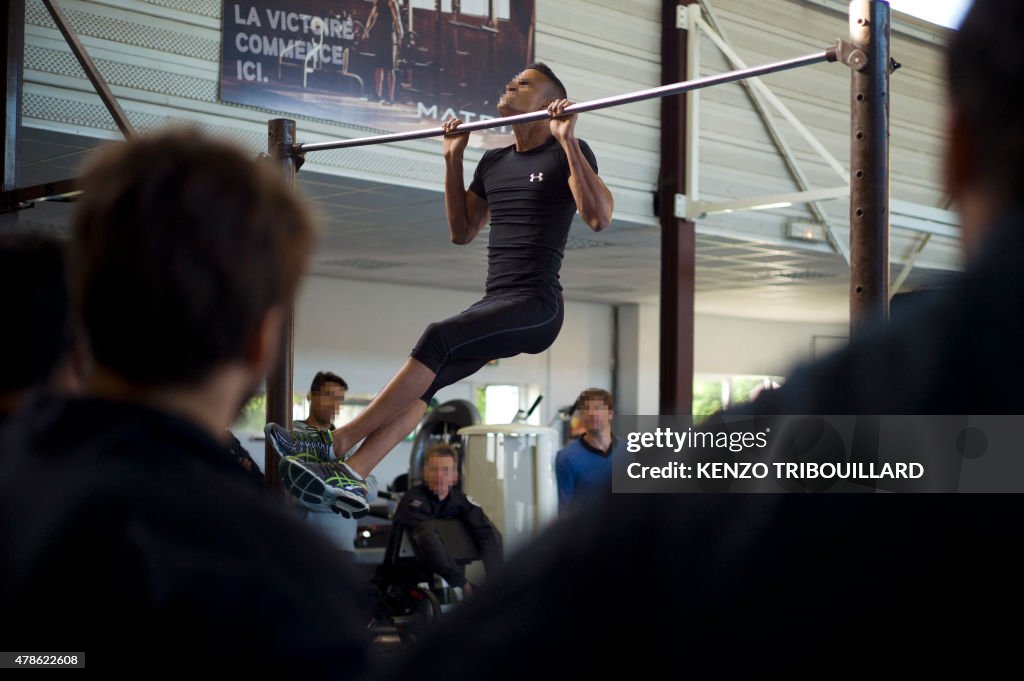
(829, 55)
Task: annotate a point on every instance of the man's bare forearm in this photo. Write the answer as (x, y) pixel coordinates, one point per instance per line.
(593, 200)
(455, 199)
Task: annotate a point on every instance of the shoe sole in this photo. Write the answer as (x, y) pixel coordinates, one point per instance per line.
(314, 494)
(284, 453)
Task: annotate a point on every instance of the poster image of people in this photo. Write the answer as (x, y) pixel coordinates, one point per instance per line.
(389, 65)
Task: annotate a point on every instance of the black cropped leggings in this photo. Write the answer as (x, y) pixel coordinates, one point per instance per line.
(503, 325)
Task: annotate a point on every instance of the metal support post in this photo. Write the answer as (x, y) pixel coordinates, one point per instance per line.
(280, 147)
(678, 237)
(13, 48)
(869, 162)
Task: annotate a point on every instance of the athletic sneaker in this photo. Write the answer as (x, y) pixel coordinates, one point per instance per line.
(322, 487)
(312, 446)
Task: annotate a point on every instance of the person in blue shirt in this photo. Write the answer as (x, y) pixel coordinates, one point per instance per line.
(584, 467)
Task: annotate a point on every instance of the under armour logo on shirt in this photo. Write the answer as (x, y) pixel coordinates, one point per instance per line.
(537, 176)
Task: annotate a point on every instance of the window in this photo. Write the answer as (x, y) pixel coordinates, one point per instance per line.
(253, 415)
(471, 8)
(504, 403)
(947, 13)
(498, 403)
(714, 393)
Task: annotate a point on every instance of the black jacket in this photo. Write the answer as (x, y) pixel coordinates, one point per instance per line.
(419, 505)
(135, 537)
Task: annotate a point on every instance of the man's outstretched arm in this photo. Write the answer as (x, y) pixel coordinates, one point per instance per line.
(467, 213)
(593, 200)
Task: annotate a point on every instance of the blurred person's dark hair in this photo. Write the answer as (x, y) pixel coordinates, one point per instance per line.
(596, 394)
(323, 377)
(37, 335)
(180, 245)
(985, 69)
(440, 450)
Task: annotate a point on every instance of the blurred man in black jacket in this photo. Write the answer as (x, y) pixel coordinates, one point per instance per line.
(127, 530)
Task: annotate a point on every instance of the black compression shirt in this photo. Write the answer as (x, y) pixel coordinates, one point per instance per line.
(531, 211)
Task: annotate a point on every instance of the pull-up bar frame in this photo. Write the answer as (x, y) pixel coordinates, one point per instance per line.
(866, 54)
(829, 55)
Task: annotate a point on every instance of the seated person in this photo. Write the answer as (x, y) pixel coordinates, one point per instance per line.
(438, 498)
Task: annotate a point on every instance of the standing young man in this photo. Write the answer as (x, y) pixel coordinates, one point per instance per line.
(529, 192)
(584, 467)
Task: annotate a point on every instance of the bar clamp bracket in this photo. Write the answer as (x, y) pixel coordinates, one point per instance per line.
(851, 55)
(854, 57)
(286, 150)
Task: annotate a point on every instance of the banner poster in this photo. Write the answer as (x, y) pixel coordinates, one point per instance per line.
(387, 65)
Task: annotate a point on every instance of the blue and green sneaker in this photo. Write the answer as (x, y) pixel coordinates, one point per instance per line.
(313, 446)
(322, 487)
